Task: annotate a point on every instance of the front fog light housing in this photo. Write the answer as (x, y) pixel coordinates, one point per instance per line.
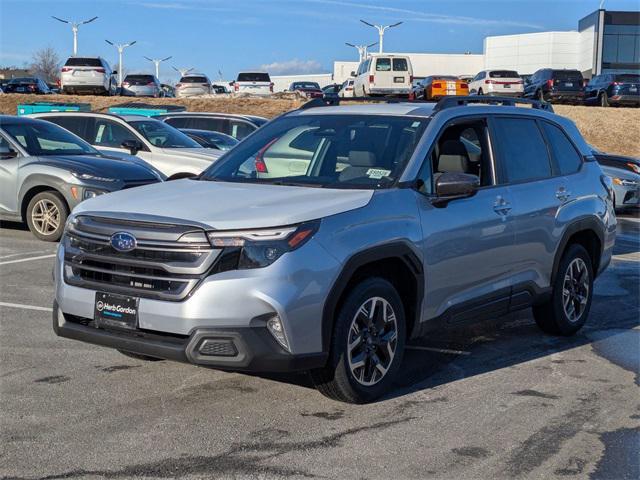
(274, 325)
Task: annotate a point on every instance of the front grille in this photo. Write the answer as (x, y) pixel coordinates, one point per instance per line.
(162, 266)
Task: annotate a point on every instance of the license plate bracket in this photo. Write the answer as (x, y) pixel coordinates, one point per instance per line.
(116, 311)
(398, 79)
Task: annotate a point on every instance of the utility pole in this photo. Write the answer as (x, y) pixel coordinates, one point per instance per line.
(381, 29)
(362, 49)
(120, 47)
(74, 29)
(157, 63)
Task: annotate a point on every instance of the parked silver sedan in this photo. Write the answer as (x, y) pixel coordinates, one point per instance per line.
(141, 85)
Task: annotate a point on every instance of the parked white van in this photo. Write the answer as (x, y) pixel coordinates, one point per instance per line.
(383, 74)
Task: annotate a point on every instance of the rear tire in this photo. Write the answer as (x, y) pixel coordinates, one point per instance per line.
(46, 214)
(568, 308)
(138, 356)
(540, 96)
(480, 92)
(367, 344)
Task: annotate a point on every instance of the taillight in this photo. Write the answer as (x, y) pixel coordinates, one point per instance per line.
(178, 85)
(436, 85)
(615, 84)
(271, 87)
(464, 86)
(66, 69)
(236, 87)
(634, 167)
(261, 167)
(550, 83)
(489, 82)
(372, 78)
(125, 84)
(99, 70)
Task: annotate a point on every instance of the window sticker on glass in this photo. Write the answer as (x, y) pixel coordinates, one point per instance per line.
(377, 173)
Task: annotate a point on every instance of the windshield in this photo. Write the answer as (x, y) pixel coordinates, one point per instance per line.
(162, 135)
(44, 138)
(306, 85)
(333, 151)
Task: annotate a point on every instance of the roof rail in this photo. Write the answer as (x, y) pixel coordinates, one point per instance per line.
(459, 101)
(335, 101)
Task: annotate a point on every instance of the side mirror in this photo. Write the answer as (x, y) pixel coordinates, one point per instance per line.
(114, 72)
(353, 74)
(6, 153)
(451, 185)
(134, 146)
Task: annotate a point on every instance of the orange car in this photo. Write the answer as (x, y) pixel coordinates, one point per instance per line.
(435, 87)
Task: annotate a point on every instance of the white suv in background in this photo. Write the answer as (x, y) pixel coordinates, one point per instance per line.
(193, 85)
(91, 75)
(383, 74)
(503, 83)
(167, 149)
(255, 83)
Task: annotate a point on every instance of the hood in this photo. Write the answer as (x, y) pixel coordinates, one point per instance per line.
(100, 166)
(200, 153)
(226, 206)
(113, 154)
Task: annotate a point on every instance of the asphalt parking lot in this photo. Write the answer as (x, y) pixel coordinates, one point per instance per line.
(499, 400)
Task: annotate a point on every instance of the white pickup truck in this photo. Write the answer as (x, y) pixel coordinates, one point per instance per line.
(255, 83)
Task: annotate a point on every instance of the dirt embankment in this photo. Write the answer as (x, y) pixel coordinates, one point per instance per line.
(613, 130)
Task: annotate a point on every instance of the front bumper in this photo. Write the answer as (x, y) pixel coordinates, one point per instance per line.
(248, 349)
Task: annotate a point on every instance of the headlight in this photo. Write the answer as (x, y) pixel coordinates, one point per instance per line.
(260, 248)
(624, 182)
(87, 176)
(89, 193)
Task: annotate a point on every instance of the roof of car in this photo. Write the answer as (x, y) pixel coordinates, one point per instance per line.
(213, 114)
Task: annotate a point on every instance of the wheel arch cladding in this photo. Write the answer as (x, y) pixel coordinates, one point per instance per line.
(587, 232)
(396, 262)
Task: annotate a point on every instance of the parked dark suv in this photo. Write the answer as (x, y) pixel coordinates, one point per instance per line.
(561, 86)
(613, 89)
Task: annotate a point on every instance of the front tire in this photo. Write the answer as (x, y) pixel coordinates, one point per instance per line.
(367, 344)
(568, 308)
(46, 215)
(604, 99)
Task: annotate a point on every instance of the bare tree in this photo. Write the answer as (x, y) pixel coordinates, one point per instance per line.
(46, 64)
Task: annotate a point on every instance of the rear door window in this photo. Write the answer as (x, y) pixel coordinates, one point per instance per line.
(383, 65)
(523, 154)
(179, 122)
(566, 157)
(400, 65)
(76, 125)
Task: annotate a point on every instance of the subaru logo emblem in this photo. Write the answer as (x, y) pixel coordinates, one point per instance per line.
(123, 241)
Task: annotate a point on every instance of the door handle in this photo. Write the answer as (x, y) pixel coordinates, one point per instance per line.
(563, 194)
(501, 206)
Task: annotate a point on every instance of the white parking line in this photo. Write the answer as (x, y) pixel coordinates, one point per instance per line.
(21, 254)
(438, 350)
(28, 259)
(26, 307)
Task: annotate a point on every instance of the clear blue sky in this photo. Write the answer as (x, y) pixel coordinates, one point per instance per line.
(284, 36)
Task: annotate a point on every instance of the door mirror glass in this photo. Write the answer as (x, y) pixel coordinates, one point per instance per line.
(452, 185)
(7, 152)
(353, 74)
(134, 146)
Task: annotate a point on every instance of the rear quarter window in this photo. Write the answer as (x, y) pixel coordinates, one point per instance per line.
(566, 157)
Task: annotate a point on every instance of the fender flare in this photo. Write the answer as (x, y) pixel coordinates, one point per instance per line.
(400, 250)
(39, 180)
(588, 223)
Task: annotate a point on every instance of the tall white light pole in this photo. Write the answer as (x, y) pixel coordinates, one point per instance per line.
(120, 47)
(74, 29)
(157, 63)
(381, 29)
(182, 71)
(362, 49)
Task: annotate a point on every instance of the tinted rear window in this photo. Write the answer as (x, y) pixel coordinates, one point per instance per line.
(139, 79)
(570, 75)
(504, 74)
(400, 65)
(19, 81)
(194, 80)
(83, 62)
(253, 77)
(383, 65)
(628, 78)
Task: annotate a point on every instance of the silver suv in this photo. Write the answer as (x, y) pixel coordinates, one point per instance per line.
(334, 235)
